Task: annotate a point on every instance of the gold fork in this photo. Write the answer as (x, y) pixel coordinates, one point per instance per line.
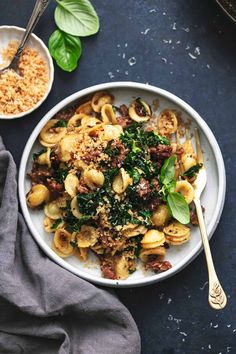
(216, 297)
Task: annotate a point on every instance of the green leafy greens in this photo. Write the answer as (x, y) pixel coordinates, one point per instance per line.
(37, 154)
(192, 171)
(61, 124)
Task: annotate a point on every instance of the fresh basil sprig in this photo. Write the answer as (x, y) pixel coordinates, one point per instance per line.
(176, 203)
(65, 49)
(192, 171)
(74, 18)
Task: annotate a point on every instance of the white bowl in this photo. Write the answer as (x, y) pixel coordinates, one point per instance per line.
(212, 198)
(12, 33)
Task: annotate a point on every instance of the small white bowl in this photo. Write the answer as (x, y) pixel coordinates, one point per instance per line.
(13, 33)
(212, 198)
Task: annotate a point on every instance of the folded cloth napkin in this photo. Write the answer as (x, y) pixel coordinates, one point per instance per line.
(44, 308)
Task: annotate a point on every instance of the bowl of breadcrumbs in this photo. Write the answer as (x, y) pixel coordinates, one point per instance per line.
(23, 91)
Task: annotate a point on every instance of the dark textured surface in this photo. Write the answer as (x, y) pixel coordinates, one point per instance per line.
(173, 316)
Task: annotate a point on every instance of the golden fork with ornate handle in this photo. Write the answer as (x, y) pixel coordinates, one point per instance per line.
(217, 298)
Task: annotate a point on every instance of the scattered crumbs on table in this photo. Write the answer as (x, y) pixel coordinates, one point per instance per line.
(126, 45)
(145, 31)
(117, 70)
(111, 75)
(186, 29)
(204, 285)
(209, 346)
(169, 301)
(132, 61)
(161, 296)
(228, 325)
(173, 26)
(167, 41)
(118, 45)
(152, 10)
(183, 339)
(193, 75)
(234, 330)
(189, 296)
(123, 56)
(183, 334)
(192, 56)
(171, 72)
(197, 51)
(228, 349)
(178, 42)
(164, 60)
(208, 66)
(126, 72)
(216, 326)
(164, 13)
(187, 47)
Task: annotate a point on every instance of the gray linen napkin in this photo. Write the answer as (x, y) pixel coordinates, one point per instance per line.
(45, 309)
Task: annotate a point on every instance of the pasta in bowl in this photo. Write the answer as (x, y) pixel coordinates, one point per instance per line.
(112, 181)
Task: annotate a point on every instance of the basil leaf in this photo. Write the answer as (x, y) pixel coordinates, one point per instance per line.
(76, 17)
(65, 49)
(178, 207)
(168, 170)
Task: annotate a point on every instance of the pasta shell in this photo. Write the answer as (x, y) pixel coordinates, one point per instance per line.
(87, 236)
(153, 236)
(93, 178)
(108, 115)
(167, 123)
(38, 195)
(186, 189)
(75, 120)
(121, 181)
(136, 115)
(53, 210)
(90, 122)
(111, 132)
(85, 108)
(62, 243)
(161, 216)
(153, 244)
(176, 233)
(51, 135)
(67, 146)
(82, 253)
(131, 230)
(44, 158)
(71, 184)
(145, 253)
(75, 209)
(101, 98)
(122, 267)
(44, 143)
(48, 223)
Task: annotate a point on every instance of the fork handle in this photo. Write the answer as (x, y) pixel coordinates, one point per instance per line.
(216, 297)
(38, 10)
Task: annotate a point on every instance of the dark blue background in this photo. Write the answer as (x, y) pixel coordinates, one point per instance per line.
(172, 316)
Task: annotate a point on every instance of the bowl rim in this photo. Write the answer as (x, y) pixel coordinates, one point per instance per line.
(50, 71)
(219, 165)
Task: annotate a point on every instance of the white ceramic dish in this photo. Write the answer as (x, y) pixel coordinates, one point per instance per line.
(212, 198)
(13, 33)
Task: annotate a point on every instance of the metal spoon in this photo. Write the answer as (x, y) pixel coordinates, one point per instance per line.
(38, 10)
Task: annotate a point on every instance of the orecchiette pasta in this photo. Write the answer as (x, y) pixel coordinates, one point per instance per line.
(93, 178)
(111, 182)
(121, 181)
(62, 243)
(38, 195)
(51, 134)
(167, 123)
(100, 99)
(108, 115)
(140, 111)
(71, 184)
